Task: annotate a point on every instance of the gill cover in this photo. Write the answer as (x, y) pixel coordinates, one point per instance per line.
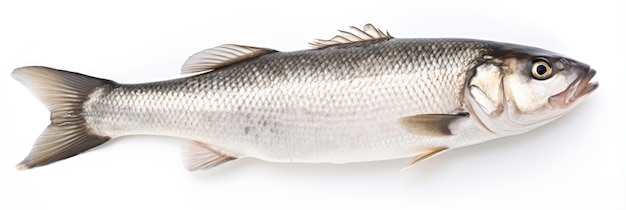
(515, 88)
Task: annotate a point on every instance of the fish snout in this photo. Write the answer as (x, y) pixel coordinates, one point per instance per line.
(579, 89)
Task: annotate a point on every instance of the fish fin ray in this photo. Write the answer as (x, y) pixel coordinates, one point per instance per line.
(368, 33)
(425, 155)
(64, 94)
(200, 156)
(432, 124)
(223, 55)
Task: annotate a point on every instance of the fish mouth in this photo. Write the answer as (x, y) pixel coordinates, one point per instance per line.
(578, 89)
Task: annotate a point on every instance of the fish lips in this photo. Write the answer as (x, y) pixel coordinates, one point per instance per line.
(580, 88)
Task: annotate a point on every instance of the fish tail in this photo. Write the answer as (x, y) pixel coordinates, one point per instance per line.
(64, 94)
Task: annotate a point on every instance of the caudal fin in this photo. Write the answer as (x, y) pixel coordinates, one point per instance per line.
(64, 94)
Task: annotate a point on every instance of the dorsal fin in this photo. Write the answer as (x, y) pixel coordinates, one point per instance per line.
(369, 32)
(219, 56)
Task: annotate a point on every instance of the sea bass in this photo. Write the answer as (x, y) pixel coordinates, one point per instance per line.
(360, 96)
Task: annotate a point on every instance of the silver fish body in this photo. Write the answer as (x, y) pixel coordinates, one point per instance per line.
(327, 105)
(368, 99)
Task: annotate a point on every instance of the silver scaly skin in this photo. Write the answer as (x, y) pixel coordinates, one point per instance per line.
(361, 96)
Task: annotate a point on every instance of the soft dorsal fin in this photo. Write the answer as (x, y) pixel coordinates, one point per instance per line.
(369, 32)
(219, 56)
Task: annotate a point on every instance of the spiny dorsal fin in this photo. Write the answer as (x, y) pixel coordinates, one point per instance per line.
(432, 124)
(369, 32)
(219, 56)
(203, 156)
(425, 155)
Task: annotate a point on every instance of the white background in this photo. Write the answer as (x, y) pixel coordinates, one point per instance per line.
(576, 162)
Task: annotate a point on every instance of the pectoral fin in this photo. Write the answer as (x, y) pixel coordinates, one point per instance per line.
(425, 155)
(432, 124)
(202, 156)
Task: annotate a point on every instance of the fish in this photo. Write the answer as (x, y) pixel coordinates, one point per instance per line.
(362, 95)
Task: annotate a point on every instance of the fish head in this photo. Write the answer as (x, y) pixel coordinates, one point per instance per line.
(515, 88)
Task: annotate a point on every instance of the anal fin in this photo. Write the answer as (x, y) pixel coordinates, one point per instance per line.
(202, 156)
(425, 155)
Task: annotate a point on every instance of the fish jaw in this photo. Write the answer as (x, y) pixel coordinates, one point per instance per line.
(576, 91)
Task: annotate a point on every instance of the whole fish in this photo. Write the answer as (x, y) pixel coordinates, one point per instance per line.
(360, 96)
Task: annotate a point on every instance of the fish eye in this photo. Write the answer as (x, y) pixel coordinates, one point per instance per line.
(541, 69)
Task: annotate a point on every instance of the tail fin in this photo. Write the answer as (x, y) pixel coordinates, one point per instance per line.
(64, 94)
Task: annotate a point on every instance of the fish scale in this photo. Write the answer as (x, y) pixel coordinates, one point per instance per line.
(355, 104)
(360, 96)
